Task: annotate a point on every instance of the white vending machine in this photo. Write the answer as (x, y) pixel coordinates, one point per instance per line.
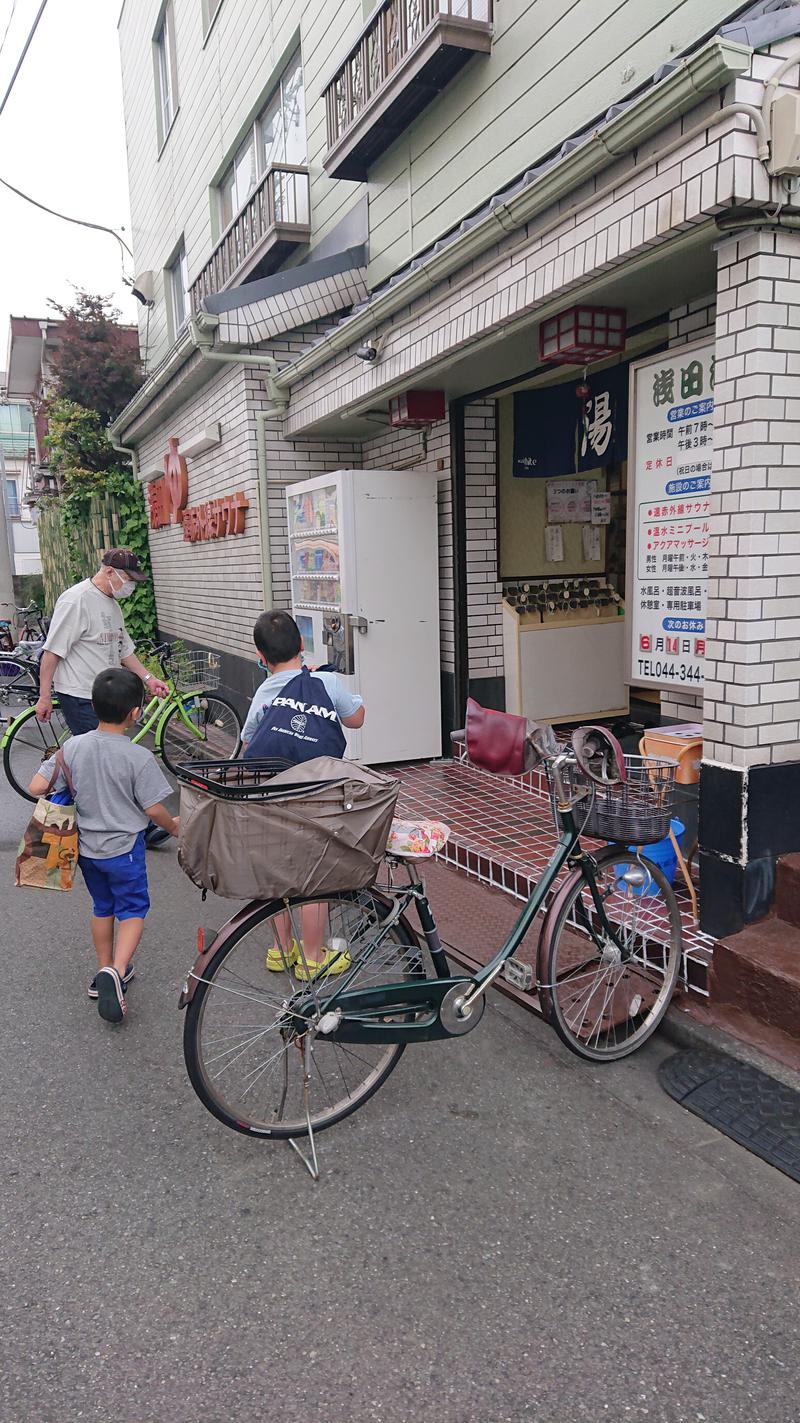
(365, 592)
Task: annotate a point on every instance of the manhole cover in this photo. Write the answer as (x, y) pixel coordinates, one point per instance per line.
(740, 1101)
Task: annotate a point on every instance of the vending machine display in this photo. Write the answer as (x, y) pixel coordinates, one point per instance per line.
(365, 593)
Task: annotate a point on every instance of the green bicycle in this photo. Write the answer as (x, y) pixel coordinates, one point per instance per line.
(193, 722)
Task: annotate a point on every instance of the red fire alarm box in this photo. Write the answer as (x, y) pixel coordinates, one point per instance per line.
(416, 407)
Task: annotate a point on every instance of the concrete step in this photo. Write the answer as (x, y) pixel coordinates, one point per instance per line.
(787, 890)
(756, 975)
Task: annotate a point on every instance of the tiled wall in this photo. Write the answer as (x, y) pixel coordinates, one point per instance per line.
(651, 201)
(210, 592)
(752, 687)
(484, 591)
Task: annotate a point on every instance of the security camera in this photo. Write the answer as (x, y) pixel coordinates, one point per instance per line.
(368, 352)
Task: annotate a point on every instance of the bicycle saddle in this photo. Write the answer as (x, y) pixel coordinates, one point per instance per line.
(599, 755)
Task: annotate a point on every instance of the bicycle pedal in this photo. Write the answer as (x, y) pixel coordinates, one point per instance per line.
(518, 974)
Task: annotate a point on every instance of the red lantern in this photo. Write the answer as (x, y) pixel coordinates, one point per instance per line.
(582, 334)
(416, 407)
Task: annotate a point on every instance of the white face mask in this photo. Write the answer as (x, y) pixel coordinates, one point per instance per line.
(126, 588)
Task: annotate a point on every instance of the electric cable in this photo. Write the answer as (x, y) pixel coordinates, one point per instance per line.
(8, 25)
(78, 221)
(20, 61)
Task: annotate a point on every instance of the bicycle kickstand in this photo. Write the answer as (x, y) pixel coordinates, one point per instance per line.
(312, 1165)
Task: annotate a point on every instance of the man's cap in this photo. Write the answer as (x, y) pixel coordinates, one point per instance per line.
(125, 561)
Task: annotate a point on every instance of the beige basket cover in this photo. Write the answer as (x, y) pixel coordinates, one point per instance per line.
(333, 837)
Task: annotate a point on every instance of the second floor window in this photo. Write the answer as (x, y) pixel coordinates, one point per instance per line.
(166, 75)
(277, 136)
(178, 290)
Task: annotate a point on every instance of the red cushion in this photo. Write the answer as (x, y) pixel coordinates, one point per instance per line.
(496, 740)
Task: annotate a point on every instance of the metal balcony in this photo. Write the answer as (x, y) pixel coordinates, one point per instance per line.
(275, 219)
(407, 52)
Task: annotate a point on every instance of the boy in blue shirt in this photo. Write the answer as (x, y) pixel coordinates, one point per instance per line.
(297, 737)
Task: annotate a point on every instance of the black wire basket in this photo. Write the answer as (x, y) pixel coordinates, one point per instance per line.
(235, 780)
(637, 812)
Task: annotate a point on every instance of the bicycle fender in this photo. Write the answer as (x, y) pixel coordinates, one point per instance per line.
(546, 939)
(254, 911)
(12, 726)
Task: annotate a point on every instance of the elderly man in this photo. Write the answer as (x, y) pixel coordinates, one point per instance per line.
(87, 635)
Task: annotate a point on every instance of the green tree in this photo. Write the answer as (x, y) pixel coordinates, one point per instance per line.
(94, 376)
(97, 361)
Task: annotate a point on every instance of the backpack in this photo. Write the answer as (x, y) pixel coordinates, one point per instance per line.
(300, 725)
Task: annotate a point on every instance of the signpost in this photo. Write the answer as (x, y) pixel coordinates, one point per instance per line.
(669, 503)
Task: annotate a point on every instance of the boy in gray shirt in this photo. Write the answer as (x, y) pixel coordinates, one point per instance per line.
(118, 788)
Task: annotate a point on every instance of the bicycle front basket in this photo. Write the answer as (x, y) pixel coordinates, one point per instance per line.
(316, 828)
(639, 811)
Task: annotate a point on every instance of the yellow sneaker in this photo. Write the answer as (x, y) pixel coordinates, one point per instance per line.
(333, 961)
(278, 961)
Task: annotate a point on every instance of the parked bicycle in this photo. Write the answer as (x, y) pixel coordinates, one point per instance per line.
(194, 721)
(19, 678)
(276, 1050)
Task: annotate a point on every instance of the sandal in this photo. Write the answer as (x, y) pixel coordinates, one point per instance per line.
(279, 961)
(333, 961)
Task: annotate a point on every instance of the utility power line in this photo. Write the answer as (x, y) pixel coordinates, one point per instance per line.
(78, 221)
(20, 61)
(8, 25)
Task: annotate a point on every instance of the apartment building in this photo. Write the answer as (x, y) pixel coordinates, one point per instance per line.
(575, 225)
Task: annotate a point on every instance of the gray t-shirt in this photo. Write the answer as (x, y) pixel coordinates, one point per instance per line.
(113, 781)
(88, 633)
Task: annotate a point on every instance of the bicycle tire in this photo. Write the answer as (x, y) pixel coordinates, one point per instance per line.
(212, 700)
(215, 1099)
(19, 766)
(626, 987)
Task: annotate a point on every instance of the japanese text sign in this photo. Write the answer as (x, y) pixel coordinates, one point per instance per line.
(556, 434)
(168, 498)
(669, 477)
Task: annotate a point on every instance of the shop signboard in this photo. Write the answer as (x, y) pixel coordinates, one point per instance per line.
(669, 504)
(168, 498)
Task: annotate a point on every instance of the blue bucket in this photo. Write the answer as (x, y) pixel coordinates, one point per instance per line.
(661, 854)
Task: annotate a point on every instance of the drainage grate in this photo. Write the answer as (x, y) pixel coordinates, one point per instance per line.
(747, 1105)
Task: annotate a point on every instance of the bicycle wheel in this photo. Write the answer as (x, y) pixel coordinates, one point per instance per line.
(244, 1040)
(212, 730)
(28, 743)
(603, 996)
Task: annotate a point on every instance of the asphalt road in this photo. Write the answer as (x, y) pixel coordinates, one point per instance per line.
(503, 1233)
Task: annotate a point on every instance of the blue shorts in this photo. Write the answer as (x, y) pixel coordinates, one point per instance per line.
(118, 886)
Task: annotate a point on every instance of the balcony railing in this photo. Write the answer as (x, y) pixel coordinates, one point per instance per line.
(408, 50)
(275, 219)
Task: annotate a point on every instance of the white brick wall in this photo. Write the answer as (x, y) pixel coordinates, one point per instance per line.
(752, 690)
(654, 200)
(484, 591)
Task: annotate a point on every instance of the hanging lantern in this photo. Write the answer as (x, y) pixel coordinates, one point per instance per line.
(582, 334)
(416, 407)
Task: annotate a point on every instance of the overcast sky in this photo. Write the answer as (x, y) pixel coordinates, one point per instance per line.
(62, 140)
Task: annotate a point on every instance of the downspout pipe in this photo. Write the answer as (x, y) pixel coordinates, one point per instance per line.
(262, 416)
(202, 330)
